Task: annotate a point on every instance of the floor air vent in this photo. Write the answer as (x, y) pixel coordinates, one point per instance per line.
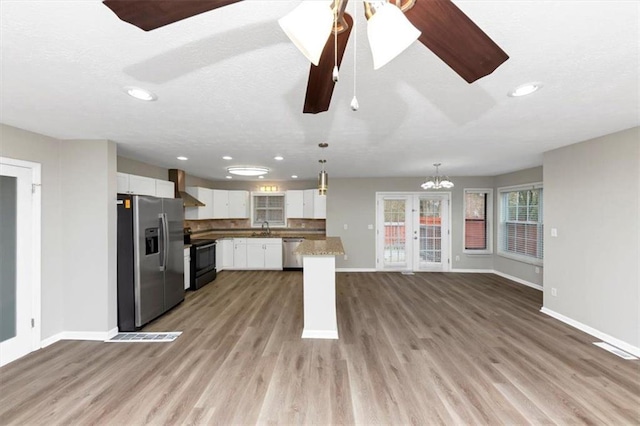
(145, 337)
(614, 350)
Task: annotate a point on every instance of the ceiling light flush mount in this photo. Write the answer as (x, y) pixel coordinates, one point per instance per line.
(525, 89)
(437, 181)
(248, 171)
(182, 158)
(140, 94)
(294, 176)
(278, 158)
(323, 179)
(227, 157)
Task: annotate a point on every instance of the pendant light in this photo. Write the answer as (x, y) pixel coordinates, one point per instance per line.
(323, 180)
(437, 181)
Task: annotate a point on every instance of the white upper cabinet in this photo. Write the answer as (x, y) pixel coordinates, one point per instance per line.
(238, 204)
(165, 189)
(295, 204)
(315, 205)
(205, 195)
(220, 204)
(141, 185)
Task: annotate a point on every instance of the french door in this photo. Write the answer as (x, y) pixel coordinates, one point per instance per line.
(19, 262)
(413, 231)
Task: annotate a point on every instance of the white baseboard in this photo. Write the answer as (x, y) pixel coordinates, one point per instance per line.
(51, 340)
(355, 270)
(319, 334)
(79, 335)
(592, 331)
(519, 280)
(473, 271)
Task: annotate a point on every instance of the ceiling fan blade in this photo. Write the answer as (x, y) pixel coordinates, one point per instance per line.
(151, 14)
(456, 39)
(320, 84)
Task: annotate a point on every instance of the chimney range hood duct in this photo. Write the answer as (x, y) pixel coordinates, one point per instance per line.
(178, 177)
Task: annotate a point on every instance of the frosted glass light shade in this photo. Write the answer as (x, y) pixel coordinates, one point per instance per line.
(323, 183)
(389, 33)
(308, 26)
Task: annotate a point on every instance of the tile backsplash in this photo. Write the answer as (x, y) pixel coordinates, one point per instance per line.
(203, 225)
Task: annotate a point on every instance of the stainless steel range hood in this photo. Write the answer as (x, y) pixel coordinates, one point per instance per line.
(178, 177)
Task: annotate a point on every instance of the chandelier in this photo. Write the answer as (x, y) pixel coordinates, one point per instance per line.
(437, 181)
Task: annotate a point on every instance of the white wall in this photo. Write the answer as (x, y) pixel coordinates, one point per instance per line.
(592, 197)
(78, 229)
(353, 202)
(89, 229)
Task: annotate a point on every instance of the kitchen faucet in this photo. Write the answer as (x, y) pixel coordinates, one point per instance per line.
(268, 229)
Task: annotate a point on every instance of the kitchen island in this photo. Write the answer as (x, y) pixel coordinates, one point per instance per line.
(319, 287)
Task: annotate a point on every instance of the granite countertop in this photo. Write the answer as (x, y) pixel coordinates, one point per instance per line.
(331, 246)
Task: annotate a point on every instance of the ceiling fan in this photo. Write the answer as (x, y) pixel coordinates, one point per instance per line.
(443, 28)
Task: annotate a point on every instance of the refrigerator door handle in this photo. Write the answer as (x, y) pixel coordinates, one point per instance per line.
(164, 241)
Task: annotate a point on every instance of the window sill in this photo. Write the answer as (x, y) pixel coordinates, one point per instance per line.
(477, 252)
(523, 259)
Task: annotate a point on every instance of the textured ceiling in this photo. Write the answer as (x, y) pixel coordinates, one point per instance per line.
(230, 83)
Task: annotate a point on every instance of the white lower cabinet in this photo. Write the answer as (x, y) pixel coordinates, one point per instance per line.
(187, 268)
(257, 253)
(239, 253)
(224, 254)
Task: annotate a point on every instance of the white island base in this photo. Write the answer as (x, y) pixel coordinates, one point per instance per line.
(319, 295)
(319, 287)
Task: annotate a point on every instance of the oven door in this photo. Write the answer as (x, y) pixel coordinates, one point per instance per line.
(203, 264)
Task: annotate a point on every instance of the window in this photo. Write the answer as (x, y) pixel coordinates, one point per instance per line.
(521, 229)
(478, 214)
(267, 208)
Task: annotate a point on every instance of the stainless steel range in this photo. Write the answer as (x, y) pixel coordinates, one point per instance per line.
(203, 262)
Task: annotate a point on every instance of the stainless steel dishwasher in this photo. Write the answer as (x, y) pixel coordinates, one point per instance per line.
(291, 260)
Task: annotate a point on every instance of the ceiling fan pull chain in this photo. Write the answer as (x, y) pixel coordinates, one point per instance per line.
(335, 45)
(354, 102)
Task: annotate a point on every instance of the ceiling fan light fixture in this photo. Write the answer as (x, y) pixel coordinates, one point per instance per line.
(308, 26)
(389, 32)
(247, 171)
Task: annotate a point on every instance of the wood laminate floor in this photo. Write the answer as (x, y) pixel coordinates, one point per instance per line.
(425, 349)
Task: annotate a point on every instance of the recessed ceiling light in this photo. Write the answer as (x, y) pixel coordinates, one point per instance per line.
(229, 177)
(248, 170)
(278, 158)
(260, 177)
(226, 157)
(525, 89)
(182, 158)
(294, 176)
(141, 94)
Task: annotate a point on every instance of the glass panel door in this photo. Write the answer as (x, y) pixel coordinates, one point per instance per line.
(393, 232)
(432, 231)
(8, 258)
(16, 265)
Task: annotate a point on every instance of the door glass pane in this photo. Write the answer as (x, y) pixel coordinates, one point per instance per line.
(394, 231)
(430, 231)
(8, 208)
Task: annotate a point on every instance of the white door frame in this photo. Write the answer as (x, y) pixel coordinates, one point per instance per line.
(35, 261)
(412, 198)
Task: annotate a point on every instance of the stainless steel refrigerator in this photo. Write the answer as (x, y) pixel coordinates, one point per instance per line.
(150, 258)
